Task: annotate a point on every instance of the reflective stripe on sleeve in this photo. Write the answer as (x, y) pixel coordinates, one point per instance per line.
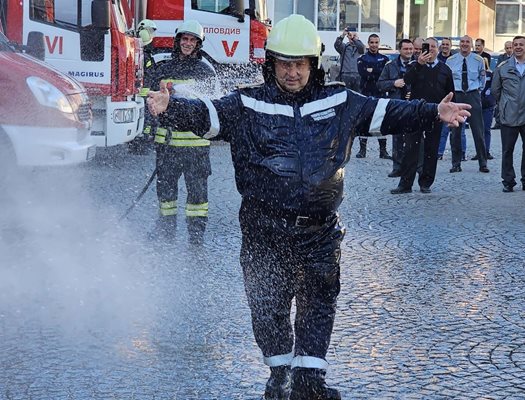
(180, 139)
(323, 104)
(309, 362)
(277, 361)
(379, 115)
(267, 108)
(144, 91)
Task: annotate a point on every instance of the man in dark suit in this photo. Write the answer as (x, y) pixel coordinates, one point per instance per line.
(429, 79)
(392, 85)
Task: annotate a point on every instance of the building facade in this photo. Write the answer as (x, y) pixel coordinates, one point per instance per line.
(496, 21)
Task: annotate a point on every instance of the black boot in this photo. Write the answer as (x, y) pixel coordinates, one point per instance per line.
(196, 229)
(165, 228)
(278, 386)
(383, 153)
(309, 384)
(362, 149)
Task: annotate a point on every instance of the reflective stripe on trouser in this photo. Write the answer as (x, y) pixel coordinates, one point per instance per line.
(168, 208)
(278, 360)
(194, 163)
(197, 210)
(282, 262)
(144, 92)
(180, 139)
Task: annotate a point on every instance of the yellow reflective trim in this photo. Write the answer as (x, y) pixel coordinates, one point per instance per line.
(203, 213)
(147, 130)
(168, 208)
(201, 206)
(184, 135)
(189, 143)
(168, 212)
(168, 204)
(180, 139)
(144, 92)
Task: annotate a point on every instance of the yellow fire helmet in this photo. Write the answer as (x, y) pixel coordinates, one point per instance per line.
(191, 27)
(146, 31)
(294, 37)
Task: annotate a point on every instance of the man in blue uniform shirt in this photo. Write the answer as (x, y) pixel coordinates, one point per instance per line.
(290, 141)
(468, 71)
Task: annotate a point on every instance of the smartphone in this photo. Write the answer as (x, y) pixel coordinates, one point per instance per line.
(425, 48)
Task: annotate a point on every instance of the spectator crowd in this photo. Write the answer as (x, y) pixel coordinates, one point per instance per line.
(429, 69)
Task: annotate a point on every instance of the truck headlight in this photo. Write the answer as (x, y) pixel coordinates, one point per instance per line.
(48, 95)
(123, 115)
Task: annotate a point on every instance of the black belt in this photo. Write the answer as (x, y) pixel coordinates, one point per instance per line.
(291, 218)
(468, 91)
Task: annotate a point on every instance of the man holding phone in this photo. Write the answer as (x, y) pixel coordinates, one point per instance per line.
(429, 79)
(349, 53)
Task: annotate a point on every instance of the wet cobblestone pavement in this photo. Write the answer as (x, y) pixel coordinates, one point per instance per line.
(431, 306)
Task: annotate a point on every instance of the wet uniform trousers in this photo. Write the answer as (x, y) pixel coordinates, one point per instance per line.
(194, 163)
(281, 261)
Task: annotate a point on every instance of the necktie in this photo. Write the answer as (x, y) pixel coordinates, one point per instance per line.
(464, 76)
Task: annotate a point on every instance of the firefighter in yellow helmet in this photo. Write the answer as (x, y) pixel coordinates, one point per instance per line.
(179, 151)
(146, 32)
(290, 140)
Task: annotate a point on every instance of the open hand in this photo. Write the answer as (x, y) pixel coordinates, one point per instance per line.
(453, 114)
(158, 100)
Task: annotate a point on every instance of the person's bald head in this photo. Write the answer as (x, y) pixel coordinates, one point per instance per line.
(418, 43)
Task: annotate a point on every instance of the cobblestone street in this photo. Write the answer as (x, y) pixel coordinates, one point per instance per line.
(432, 304)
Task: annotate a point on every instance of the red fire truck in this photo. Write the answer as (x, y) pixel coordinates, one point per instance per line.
(91, 41)
(235, 34)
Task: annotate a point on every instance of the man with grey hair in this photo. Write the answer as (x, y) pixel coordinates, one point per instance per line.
(468, 71)
(508, 87)
(506, 54)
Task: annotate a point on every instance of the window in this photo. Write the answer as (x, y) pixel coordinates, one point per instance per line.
(327, 15)
(510, 17)
(359, 15)
(42, 10)
(217, 6)
(54, 11)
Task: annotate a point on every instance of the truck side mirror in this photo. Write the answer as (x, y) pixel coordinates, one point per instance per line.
(35, 45)
(101, 14)
(237, 9)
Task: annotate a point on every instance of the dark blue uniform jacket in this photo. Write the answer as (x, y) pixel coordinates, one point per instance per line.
(289, 150)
